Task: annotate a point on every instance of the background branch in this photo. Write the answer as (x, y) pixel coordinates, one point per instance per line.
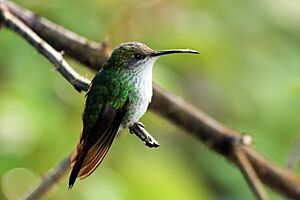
(45, 49)
(53, 177)
(209, 131)
(294, 156)
(87, 52)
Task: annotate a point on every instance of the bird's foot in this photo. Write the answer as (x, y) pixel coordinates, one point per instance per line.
(139, 130)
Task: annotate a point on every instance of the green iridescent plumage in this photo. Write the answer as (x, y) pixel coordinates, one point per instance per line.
(107, 88)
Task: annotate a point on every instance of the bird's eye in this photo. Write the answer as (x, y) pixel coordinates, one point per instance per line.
(138, 56)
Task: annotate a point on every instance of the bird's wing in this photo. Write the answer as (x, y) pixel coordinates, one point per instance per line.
(91, 150)
(96, 138)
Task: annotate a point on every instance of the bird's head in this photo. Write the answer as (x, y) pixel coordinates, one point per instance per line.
(135, 55)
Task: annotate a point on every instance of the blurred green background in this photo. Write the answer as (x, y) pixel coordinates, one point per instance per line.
(247, 77)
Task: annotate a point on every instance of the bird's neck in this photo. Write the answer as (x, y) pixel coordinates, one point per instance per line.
(142, 74)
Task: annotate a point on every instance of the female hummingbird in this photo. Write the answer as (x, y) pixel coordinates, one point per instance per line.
(118, 96)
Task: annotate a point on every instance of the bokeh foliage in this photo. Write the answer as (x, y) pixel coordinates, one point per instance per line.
(248, 77)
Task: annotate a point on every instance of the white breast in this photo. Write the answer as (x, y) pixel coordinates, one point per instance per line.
(140, 98)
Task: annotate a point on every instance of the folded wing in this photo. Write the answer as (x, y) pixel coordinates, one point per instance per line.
(95, 143)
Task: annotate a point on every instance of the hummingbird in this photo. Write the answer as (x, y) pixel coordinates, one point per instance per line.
(118, 97)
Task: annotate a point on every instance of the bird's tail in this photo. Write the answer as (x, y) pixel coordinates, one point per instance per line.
(77, 159)
(87, 156)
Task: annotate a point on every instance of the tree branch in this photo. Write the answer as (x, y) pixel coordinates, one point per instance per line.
(50, 180)
(45, 49)
(87, 52)
(209, 131)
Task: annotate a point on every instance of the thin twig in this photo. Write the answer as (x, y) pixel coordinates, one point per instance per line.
(294, 156)
(139, 130)
(250, 175)
(52, 178)
(195, 122)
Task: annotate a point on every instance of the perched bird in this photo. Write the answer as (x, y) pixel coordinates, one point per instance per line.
(118, 96)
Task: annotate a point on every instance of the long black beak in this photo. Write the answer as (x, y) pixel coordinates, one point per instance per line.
(165, 52)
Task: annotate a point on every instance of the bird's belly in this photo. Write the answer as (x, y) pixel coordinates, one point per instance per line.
(138, 104)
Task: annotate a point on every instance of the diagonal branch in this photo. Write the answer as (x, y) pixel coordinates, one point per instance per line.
(209, 131)
(247, 170)
(87, 52)
(45, 49)
(53, 177)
